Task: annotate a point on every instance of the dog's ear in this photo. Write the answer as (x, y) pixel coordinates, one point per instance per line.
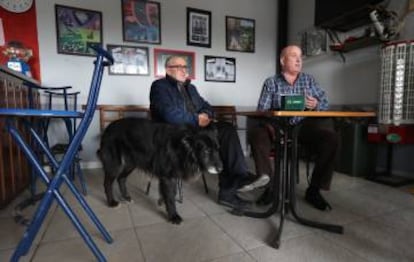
(187, 141)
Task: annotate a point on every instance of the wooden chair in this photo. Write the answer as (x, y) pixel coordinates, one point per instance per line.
(226, 113)
(110, 113)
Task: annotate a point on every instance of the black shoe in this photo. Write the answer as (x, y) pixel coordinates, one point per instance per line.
(266, 198)
(233, 201)
(314, 198)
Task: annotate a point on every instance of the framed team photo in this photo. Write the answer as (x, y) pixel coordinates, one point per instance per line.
(198, 27)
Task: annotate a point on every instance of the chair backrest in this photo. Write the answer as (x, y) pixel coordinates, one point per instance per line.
(110, 113)
(226, 113)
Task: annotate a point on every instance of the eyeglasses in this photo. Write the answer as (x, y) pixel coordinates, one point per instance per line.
(179, 67)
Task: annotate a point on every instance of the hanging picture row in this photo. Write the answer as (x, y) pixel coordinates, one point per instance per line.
(77, 28)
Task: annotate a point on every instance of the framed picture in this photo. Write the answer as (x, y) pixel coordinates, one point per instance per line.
(240, 34)
(129, 60)
(160, 55)
(141, 21)
(314, 42)
(76, 28)
(198, 27)
(219, 69)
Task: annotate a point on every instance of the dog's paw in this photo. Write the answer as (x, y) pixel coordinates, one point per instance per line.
(175, 219)
(113, 203)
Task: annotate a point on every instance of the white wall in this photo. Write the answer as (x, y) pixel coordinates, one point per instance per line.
(355, 81)
(252, 68)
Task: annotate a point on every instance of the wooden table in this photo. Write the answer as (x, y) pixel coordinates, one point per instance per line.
(286, 166)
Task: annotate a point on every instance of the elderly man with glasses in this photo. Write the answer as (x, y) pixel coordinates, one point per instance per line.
(175, 100)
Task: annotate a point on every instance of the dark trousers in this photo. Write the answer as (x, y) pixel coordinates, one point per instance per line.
(234, 164)
(318, 134)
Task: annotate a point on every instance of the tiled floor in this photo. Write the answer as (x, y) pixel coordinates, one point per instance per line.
(378, 221)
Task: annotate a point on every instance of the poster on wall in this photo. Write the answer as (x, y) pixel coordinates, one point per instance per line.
(240, 34)
(76, 29)
(141, 21)
(198, 27)
(128, 60)
(220, 69)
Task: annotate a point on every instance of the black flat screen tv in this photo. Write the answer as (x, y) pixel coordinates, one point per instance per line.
(343, 15)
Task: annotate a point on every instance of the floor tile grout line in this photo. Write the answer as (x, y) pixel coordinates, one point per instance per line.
(136, 235)
(338, 244)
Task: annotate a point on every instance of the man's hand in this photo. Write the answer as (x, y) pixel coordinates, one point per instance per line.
(203, 120)
(311, 102)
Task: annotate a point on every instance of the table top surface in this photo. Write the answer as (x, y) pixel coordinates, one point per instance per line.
(307, 113)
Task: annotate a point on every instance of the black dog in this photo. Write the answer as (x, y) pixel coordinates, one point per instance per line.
(169, 152)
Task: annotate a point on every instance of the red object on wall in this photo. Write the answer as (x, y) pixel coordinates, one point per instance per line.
(379, 134)
(22, 27)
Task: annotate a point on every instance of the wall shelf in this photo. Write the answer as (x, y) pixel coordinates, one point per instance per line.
(362, 42)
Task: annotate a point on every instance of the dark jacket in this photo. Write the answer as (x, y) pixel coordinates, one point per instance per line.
(168, 105)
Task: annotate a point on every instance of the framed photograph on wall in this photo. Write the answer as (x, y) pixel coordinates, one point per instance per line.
(240, 34)
(198, 27)
(76, 28)
(219, 69)
(314, 42)
(141, 21)
(129, 60)
(160, 55)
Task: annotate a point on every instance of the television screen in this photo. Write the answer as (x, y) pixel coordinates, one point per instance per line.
(343, 15)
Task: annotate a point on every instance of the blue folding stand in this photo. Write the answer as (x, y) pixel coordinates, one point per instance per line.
(62, 168)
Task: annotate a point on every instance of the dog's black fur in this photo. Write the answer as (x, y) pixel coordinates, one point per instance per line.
(169, 152)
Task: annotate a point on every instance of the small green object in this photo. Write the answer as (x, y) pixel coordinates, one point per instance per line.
(393, 138)
(293, 102)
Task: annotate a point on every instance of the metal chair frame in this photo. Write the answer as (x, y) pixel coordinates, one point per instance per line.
(13, 115)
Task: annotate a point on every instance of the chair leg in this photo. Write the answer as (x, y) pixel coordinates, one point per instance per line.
(79, 173)
(39, 217)
(149, 185)
(205, 183)
(308, 172)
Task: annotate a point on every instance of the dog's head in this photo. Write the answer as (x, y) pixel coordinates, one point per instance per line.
(202, 149)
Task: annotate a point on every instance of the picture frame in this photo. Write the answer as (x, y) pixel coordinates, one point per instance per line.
(160, 55)
(129, 60)
(219, 69)
(240, 34)
(314, 42)
(76, 28)
(198, 27)
(141, 21)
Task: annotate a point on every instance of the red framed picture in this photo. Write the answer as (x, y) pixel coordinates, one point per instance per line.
(160, 55)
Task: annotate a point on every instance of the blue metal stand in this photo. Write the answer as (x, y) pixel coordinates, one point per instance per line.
(63, 168)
